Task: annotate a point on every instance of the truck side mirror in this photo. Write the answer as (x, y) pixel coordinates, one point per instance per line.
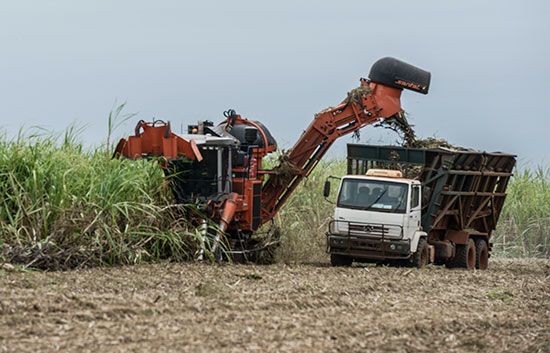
(326, 189)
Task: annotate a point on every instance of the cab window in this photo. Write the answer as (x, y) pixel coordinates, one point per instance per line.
(373, 195)
(415, 196)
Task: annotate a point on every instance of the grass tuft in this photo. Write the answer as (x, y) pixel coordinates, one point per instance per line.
(524, 225)
(64, 207)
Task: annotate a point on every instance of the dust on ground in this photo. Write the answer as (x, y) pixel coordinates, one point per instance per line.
(306, 308)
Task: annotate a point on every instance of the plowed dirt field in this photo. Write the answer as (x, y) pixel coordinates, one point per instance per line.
(173, 307)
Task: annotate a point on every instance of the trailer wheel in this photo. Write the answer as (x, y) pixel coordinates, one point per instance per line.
(465, 256)
(340, 260)
(482, 254)
(420, 258)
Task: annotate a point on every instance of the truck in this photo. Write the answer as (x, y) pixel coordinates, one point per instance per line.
(414, 206)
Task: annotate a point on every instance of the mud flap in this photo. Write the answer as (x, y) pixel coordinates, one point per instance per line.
(431, 254)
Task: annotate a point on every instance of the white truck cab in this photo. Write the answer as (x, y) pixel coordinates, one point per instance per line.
(378, 217)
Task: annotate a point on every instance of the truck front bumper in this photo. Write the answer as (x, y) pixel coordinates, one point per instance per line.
(368, 248)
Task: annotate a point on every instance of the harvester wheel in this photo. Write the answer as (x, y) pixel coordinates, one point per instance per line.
(340, 260)
(482, 254)
(465, 256)
(260, 249)
(420, 258)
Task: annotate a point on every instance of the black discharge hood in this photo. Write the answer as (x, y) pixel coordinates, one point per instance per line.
(398, 74)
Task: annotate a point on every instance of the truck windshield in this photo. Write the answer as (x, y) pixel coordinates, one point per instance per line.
(373, 195)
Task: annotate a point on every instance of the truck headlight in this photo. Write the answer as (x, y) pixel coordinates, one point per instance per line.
(338, 227)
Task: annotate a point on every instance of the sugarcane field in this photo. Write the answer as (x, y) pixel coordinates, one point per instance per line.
(218, 177)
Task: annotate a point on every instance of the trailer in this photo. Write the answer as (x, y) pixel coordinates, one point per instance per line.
(413, 206)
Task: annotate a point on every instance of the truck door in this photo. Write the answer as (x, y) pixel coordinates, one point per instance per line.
(413, 216)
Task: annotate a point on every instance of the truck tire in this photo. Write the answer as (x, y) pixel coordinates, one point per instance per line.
(465, 256)
(482, 254)
(420, 258)
(340, 260)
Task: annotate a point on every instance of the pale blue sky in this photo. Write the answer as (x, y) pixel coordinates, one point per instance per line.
(279, 62)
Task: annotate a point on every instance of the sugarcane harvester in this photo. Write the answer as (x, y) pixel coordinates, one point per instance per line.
(221, 168)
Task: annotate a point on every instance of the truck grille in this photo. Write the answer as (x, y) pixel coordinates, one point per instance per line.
(375, 230)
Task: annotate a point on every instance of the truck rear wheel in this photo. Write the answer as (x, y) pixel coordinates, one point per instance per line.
(420, 258)
(465, 256)
(340, 260)
(482, 254)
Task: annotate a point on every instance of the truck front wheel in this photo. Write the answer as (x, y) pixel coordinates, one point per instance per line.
(465, 256)
(340, 260)
(420, 258)
(482, 254)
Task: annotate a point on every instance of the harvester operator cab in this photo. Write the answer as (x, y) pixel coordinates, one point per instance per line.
(231, 150)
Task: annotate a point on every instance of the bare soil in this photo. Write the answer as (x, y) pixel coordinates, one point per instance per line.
(173, 307)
